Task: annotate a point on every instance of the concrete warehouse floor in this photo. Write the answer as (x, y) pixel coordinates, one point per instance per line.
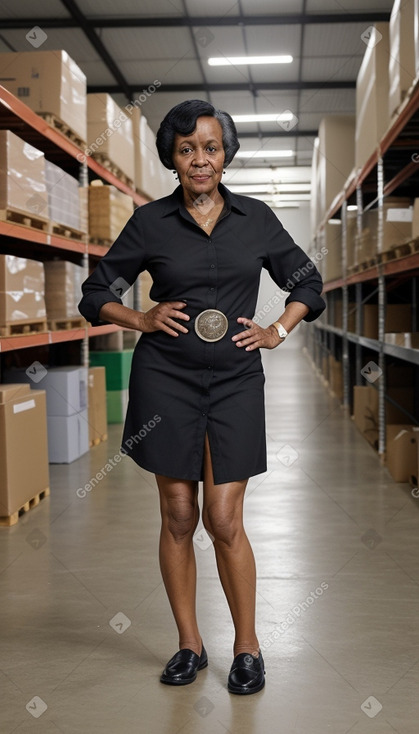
(86, 625)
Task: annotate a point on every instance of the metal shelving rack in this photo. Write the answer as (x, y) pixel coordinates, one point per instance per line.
(402, 137)
(20, 240)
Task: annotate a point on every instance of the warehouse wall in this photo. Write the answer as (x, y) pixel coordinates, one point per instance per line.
(297, 223)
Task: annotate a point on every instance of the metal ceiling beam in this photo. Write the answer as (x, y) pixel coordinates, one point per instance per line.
(223, 87)
(196, 21)
(94, 39)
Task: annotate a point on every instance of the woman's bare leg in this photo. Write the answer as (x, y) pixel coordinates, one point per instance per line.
(180, 514)
(222, 516)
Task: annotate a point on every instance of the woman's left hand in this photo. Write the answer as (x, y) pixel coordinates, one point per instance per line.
(256, 337)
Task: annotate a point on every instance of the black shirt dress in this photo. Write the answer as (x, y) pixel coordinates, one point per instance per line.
(183, 387)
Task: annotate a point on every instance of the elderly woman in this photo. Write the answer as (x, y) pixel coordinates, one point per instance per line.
(197, 380)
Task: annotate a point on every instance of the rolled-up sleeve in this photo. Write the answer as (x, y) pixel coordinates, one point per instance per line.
(115, 272)
(291, 268)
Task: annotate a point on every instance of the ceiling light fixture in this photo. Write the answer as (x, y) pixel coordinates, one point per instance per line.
(244, 60)
(284, 117)
(265, 154)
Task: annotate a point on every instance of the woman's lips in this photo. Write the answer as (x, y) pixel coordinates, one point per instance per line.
(203, 177)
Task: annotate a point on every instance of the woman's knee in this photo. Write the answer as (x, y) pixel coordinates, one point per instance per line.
(180, 513)
(223, 524)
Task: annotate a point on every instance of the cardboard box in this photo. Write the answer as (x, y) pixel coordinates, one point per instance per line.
(63, 280)
(351, 232)
(109, 211)
(110, 132)
(402, 451)
(332, 262)
(147, 161)
(365, 409)
(116, 405)
(402, 61)
(63, 197)
(66, 387)
(365, 412)
(68, 437)
(48, 82)
(336, 377)
(118, 367)
(338, 320)
(98, 426)
(407, 339)
(24, 470)
(398, 318)
(146, 283)
(22, 176)
(336, 157)
(22, 289)
(372, 115)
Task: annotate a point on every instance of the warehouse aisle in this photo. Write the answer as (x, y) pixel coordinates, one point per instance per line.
(85, 623)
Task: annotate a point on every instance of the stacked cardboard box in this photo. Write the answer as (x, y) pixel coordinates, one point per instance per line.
(397, 228)
(398, 318)
(63, 281)
(402, 62)
(110, 133)
(148, 177)
(402, 452)
(23, 446)
(98, 425)
(49, 82)
(66, 393)
(146, 283)
(332, 261)
(63, 197)
(336, 156)
(372, 114)
(22, 176)
(118, 367)
(335, 377)
(22, 289)
(109, 211)
(366, 409)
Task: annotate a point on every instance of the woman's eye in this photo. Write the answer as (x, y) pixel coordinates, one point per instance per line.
(186, 150)
(211, 149)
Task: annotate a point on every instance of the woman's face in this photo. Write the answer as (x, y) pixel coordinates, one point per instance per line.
(199, 157)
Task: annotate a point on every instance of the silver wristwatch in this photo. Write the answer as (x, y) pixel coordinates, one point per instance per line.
(283, 333)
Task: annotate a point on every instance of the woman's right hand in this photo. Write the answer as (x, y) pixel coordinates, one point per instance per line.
(162, 317)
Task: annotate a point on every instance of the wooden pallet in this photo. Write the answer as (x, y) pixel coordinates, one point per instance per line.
(9, 520)
(63, 128)
(64, 231)
(387, 256)
(18, 328)
(24, 219)
(113, 168)
(100, 241)
(78, 322)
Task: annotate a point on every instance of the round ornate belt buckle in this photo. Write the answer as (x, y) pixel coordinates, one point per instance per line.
(211, 325)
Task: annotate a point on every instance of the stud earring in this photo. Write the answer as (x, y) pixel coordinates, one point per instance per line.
(176, 176)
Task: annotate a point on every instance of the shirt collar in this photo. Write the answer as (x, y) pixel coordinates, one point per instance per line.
(175, 200)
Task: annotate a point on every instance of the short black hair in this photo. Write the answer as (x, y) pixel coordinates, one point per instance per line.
(182, 119)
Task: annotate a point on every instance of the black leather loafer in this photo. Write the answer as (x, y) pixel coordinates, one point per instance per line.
(247, 674)
(183, 667)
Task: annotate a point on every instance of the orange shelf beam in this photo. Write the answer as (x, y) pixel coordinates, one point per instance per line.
(23, 341)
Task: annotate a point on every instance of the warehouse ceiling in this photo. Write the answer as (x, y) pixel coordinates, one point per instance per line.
(125, 47)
